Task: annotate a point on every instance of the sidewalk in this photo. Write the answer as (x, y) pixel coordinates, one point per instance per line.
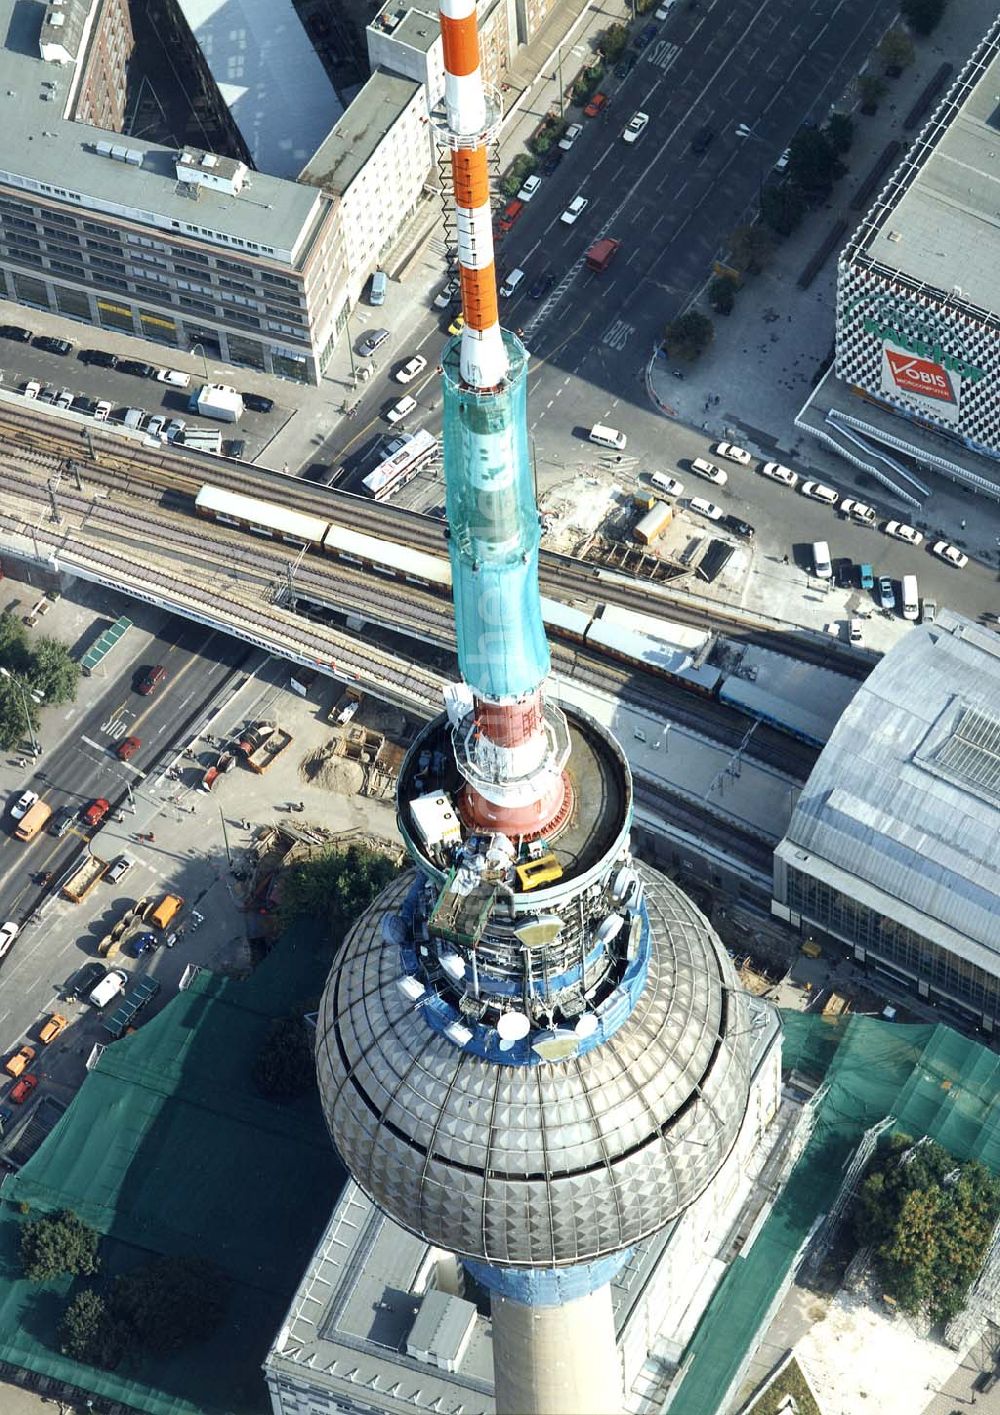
(758, 373)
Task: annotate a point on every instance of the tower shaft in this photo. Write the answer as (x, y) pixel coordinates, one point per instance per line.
(556, 1360)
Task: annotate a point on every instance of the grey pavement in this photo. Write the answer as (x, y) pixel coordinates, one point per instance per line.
(758, 373)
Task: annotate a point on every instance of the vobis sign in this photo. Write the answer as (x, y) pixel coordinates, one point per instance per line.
(925, 383)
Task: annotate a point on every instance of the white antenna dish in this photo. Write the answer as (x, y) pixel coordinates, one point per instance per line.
(586, 1025)
(513, 1026)
(625, 882)
(610, 928)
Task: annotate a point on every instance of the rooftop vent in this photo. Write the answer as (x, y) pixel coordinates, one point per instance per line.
(894, 236)
(118, 152)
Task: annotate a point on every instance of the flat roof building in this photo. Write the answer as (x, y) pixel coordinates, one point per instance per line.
(918, 295)
(894, 846)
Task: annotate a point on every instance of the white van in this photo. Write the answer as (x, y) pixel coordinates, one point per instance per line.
(709, 471)
(376, 295)
(608, 437)
(821, 560)
(108, 988)
(511, 283)
(911, 597)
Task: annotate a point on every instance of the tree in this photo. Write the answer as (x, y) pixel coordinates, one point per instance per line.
(722, 294)
(871, 90)
(840, 133)
(335, 886)
(612, 42)
(813, 165)
(782, 207)
(896, 51)
(13, 705)
(52, 672)
(171, 1302)
(90, 1331)
(521, 167)
(284, 1067)
(689, 335)
(929, 1220)
(750, 248)
(56, 1244)
(14, 651)
(923, 16)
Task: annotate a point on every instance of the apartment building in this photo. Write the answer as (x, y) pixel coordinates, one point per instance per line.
(405, 39)
(90, 41)
(375, 162)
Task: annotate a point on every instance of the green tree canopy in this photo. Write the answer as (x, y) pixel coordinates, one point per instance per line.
(284, 1067)
(91, 1332)
(52, 672)
(871, 90)
(41, 666)
(688, 336)
(782, 207)
(813, 164)
(840, 132)
(928, 1219)
(722, 294)
(613, 42)
(56, 1244)
(336, 886)
(751, 247)
(170, 1302)
(923, 16)
(896, 50)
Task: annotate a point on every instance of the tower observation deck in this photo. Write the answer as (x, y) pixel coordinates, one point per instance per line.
(532, 1050)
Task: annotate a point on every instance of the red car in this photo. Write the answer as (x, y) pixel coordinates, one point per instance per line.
(150, 679)
(596, 105)
(20, 1093)
(509, 215)
(128, 748)
(96, 811)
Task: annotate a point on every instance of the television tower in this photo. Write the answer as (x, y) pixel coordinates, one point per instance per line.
(532, 1050)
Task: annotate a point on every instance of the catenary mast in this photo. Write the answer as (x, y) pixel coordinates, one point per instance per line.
(532, 1050)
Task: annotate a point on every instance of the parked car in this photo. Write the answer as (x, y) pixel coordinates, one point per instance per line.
(400, 410)
(62, 820)
(886, 593)
(174, 377)
(951, 553)
(575, 210)
(854, 633)
(103, 411)
(626, 64)
(777, 472)
(411, 368)
(447, 294)
(670, 486)
(98, 357)
(257, 403)
(23, 804)
(645, 38)
(22, 1089)
(732, 453)
(64, 398)
(52, 345)
(900, 531)
(709, 471)
(119, 869)
(866, 577)
(32, 388)
(51, 1029)
(542, 286)
(596, 105)
(738, 527)
(636, 126)
(20, 1061)
(96, 811)
(552, 159)
(818, 492)
(234, 447)
(928, 611)
(570, 136)
(156, 424)
(84, 980)
(701, 507)
(136, 368)
(128, 748)
(150, 679)
(8, 933)
(783, 160)
(510, 216)
(857, 511)
(457, 324)
(529, 187)
(702, 140)
(371, 341)
(143, 943)
(15, 332)
(173, 429)
(843, 573)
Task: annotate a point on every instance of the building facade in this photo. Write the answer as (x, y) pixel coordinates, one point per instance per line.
(893, 851)
(918, 297)
(406, 39)
(102, 92)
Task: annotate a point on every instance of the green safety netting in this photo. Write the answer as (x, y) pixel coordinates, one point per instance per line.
(932, 1080)
(167, 1149)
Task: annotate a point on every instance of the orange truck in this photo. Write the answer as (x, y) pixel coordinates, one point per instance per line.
(56, 1023)
(602, 253)
(20, 1061)
(32, 821)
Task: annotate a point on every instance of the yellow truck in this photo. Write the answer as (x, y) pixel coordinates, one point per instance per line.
(52, 1027)
(20, 1061)
(83, 878)
(33, 821)
(167, 909)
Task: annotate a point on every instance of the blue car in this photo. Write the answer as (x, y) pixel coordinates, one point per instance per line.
(643, 40)
(143, 943)
(542, 286)
(886, 594)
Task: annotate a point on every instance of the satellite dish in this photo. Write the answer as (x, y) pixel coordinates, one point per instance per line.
(610, 928)
(559, 1045)
(513, 1026)
(586, 1025)
(624, 884)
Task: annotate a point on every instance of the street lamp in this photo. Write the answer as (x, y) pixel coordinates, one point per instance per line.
(36, 697)
(200, 348)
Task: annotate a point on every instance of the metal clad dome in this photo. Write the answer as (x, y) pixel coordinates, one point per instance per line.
(554, 1163)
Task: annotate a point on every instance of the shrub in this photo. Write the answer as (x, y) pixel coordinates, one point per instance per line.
(688, 336)
(57, 1244)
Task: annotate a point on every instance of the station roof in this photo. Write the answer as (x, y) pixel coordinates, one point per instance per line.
(900, 812)
(270, 77)
(807, 700)
(939, 225)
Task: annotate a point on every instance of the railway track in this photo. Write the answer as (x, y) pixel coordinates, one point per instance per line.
(144, 469)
